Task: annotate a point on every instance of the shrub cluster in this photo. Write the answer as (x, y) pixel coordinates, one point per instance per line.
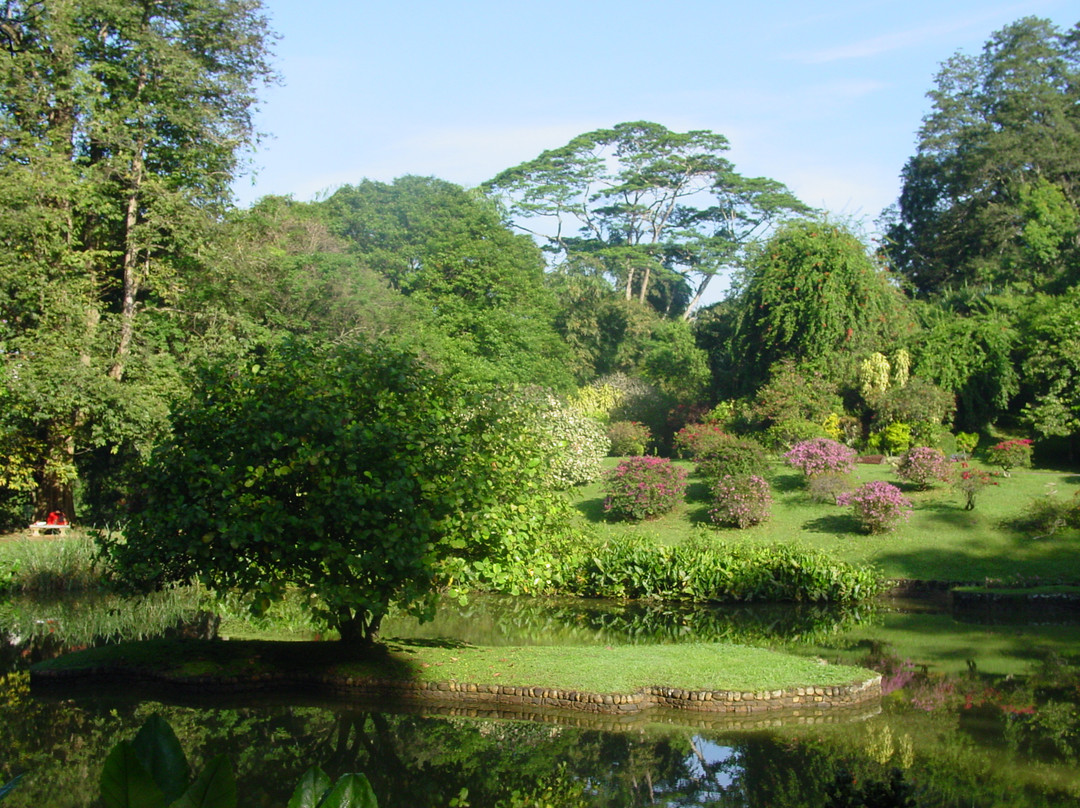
(821, 455)
(732, 456)
(1047, 516)
(644, 487)
(694, 440)
(1010, 454)
(923, 466)
(879, 506)
(576, 444)
(740, 501)
(827, 487)
(628, 438)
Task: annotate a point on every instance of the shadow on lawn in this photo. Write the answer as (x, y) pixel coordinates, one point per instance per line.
(1050, 563)
(833, 524)
(592, 509)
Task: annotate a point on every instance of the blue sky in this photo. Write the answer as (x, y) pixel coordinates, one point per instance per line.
(825, 97)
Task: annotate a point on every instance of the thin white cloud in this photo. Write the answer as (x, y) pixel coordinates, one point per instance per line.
(898, 40)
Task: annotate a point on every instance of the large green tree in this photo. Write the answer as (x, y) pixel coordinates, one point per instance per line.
(447, 250)
(991, 197)
(349, 471)
(664, 212)
(122, 123)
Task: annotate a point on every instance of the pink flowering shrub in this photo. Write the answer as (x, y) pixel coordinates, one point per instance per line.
(740, 501)
(878, 505)
(923, 466)
(1010, 454)
(821, 456)
(695, 440)
(644, 487)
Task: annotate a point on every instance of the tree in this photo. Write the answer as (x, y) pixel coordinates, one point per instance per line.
(447, 250)
(663, 211)
(350, 471)
(122, 123)
(991, 197)
(1049, 345)
(813, 294)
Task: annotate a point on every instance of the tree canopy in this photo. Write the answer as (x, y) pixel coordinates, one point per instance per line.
(991, 197)
(662, 212)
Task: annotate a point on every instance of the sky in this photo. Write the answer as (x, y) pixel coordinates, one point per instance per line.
(824, 97)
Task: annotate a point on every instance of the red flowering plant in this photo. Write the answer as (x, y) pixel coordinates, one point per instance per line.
(695, 440)
(644, 487)
(1010, 454)
(969, 482)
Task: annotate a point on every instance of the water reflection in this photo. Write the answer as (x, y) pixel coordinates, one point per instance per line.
(981, 712)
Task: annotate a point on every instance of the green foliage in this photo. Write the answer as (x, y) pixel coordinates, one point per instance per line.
(828, 486)
(707, 571)
(1048, 516)
(675, 364)
(151, 771)
(795, 393)
(730, 456)
(628, 438)
(966, 442)
(575, 443)
(348, 470)
(1051, 364)
(447, 249)
(989, 199)
(643, 488)
(917, 401)
(813, 295)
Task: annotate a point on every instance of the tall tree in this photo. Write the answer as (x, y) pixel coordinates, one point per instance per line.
(992, 196)
(122, 123)
(447, 250)
(664, 211)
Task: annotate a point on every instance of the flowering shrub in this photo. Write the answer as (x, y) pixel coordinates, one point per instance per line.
(878, 505)
(821, 455)
(969, 482)
(1010, 454)
(643, 487)
(732, 457)
(695, 440)
(576, 443)
(923, 466)
(628, 438)
(740, 501)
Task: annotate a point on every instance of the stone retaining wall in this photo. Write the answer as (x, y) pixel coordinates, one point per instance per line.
(458, 694)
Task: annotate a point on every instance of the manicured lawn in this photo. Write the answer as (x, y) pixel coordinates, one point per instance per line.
(941, 541)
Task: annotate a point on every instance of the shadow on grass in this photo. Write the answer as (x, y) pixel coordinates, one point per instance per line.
(699, 516)
(697, 492)
(592, 509)
(787, 483)
(1052, 561)
(833, 524)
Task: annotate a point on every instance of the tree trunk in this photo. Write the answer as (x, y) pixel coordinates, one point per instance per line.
(358, 628)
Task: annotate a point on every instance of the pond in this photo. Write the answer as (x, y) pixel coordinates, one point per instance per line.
(981, 710)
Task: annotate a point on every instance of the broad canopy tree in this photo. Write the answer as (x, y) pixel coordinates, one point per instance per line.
(348, 470)
(662, 212)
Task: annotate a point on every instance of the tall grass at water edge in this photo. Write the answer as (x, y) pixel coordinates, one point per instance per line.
(49, 566)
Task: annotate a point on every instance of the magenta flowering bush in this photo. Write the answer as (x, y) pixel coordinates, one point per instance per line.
(644, 487)
(1010, 454)
(740, 501)
(879, 506)
(695, 440)
(821, 456)
(923, 466)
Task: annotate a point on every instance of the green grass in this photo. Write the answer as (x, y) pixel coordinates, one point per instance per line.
(595, 669)
(941, 541)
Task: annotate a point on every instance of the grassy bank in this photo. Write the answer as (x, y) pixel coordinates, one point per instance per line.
(614, 669)
(941, 541)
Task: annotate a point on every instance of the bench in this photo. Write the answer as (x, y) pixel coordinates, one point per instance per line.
(43, 528)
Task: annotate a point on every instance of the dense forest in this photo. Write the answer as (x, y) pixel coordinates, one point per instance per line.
(127, 278)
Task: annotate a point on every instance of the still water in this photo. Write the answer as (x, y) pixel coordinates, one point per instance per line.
(982, 711)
